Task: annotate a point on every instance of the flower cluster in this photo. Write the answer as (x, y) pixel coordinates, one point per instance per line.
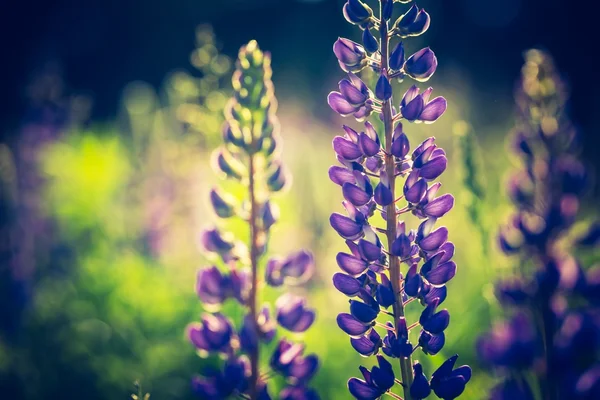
(550, 344)
(250, 155)
(370, 163)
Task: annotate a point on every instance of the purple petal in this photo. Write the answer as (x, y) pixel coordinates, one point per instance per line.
(352, 94)
(304, 322)
(355, 195)
(297, 267)
(369, 251)
(340, 175)
(400, 145)
(433, 293)
(431, 344)
(433, 110)
(348, 52)
(351, 325)
(410, 94)
(195, 335)
(210, 286)
(273, 275)
(358, 83)
(433, 168)
(292, 313)
(437, 323)
(448, 248)
(216, 332)
(383, 195)
(350, 134)
(412, 285)
(345, 227)
(434, 240)
(346, 148)
(362, 390)
(421, 65)
(401, 247)
(397, 57)
(363, 312)
(303, 368)
(383, 89)
(415, 193)
(412, 111)
(367, 345)
(350, 264)
(439, 206)
(368, 146)
(346, 284)
(451, 388)
(339, 104)
(442, 273)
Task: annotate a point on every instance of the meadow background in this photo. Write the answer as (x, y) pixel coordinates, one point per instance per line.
(109, 113)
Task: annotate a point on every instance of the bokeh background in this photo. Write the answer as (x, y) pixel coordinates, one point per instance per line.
(108, 113)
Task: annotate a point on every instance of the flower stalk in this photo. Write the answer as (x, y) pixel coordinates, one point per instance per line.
(254, 353)
(250, 156)
(372, 276)
(391, 211)
(548, 345)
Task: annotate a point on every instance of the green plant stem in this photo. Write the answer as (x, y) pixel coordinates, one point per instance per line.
(254, 354)
(390, 166)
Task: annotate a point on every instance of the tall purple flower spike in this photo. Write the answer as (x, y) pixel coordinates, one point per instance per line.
(250, 133)
(552, 335)
(379, 174)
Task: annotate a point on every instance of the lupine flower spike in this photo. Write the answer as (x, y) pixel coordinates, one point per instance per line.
(381, 277)
(550, 344)
(250, 155)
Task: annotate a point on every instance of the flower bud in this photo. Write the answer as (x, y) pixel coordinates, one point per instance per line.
(369, 41)
(414, 23)
(419, 389)
(383, 195)
(226, 163)
(400, 144)
(269, 214)
(422, 65)
(383, 89)
(224, 204)
(233, 134)
(397, 57)
(388, 9)
(357, 12)
(213, 241)
(278, 179)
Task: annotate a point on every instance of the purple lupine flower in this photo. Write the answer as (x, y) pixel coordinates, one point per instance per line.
(292, 313)
(379, 278)
(213, 287)
(422, 65)
(549, 344)
(376, 382)
(412, 23)
(351, 55)
(236, 274)
(292, 270)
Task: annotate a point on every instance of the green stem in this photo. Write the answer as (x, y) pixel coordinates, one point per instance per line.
(254, 271)
(390, 166)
